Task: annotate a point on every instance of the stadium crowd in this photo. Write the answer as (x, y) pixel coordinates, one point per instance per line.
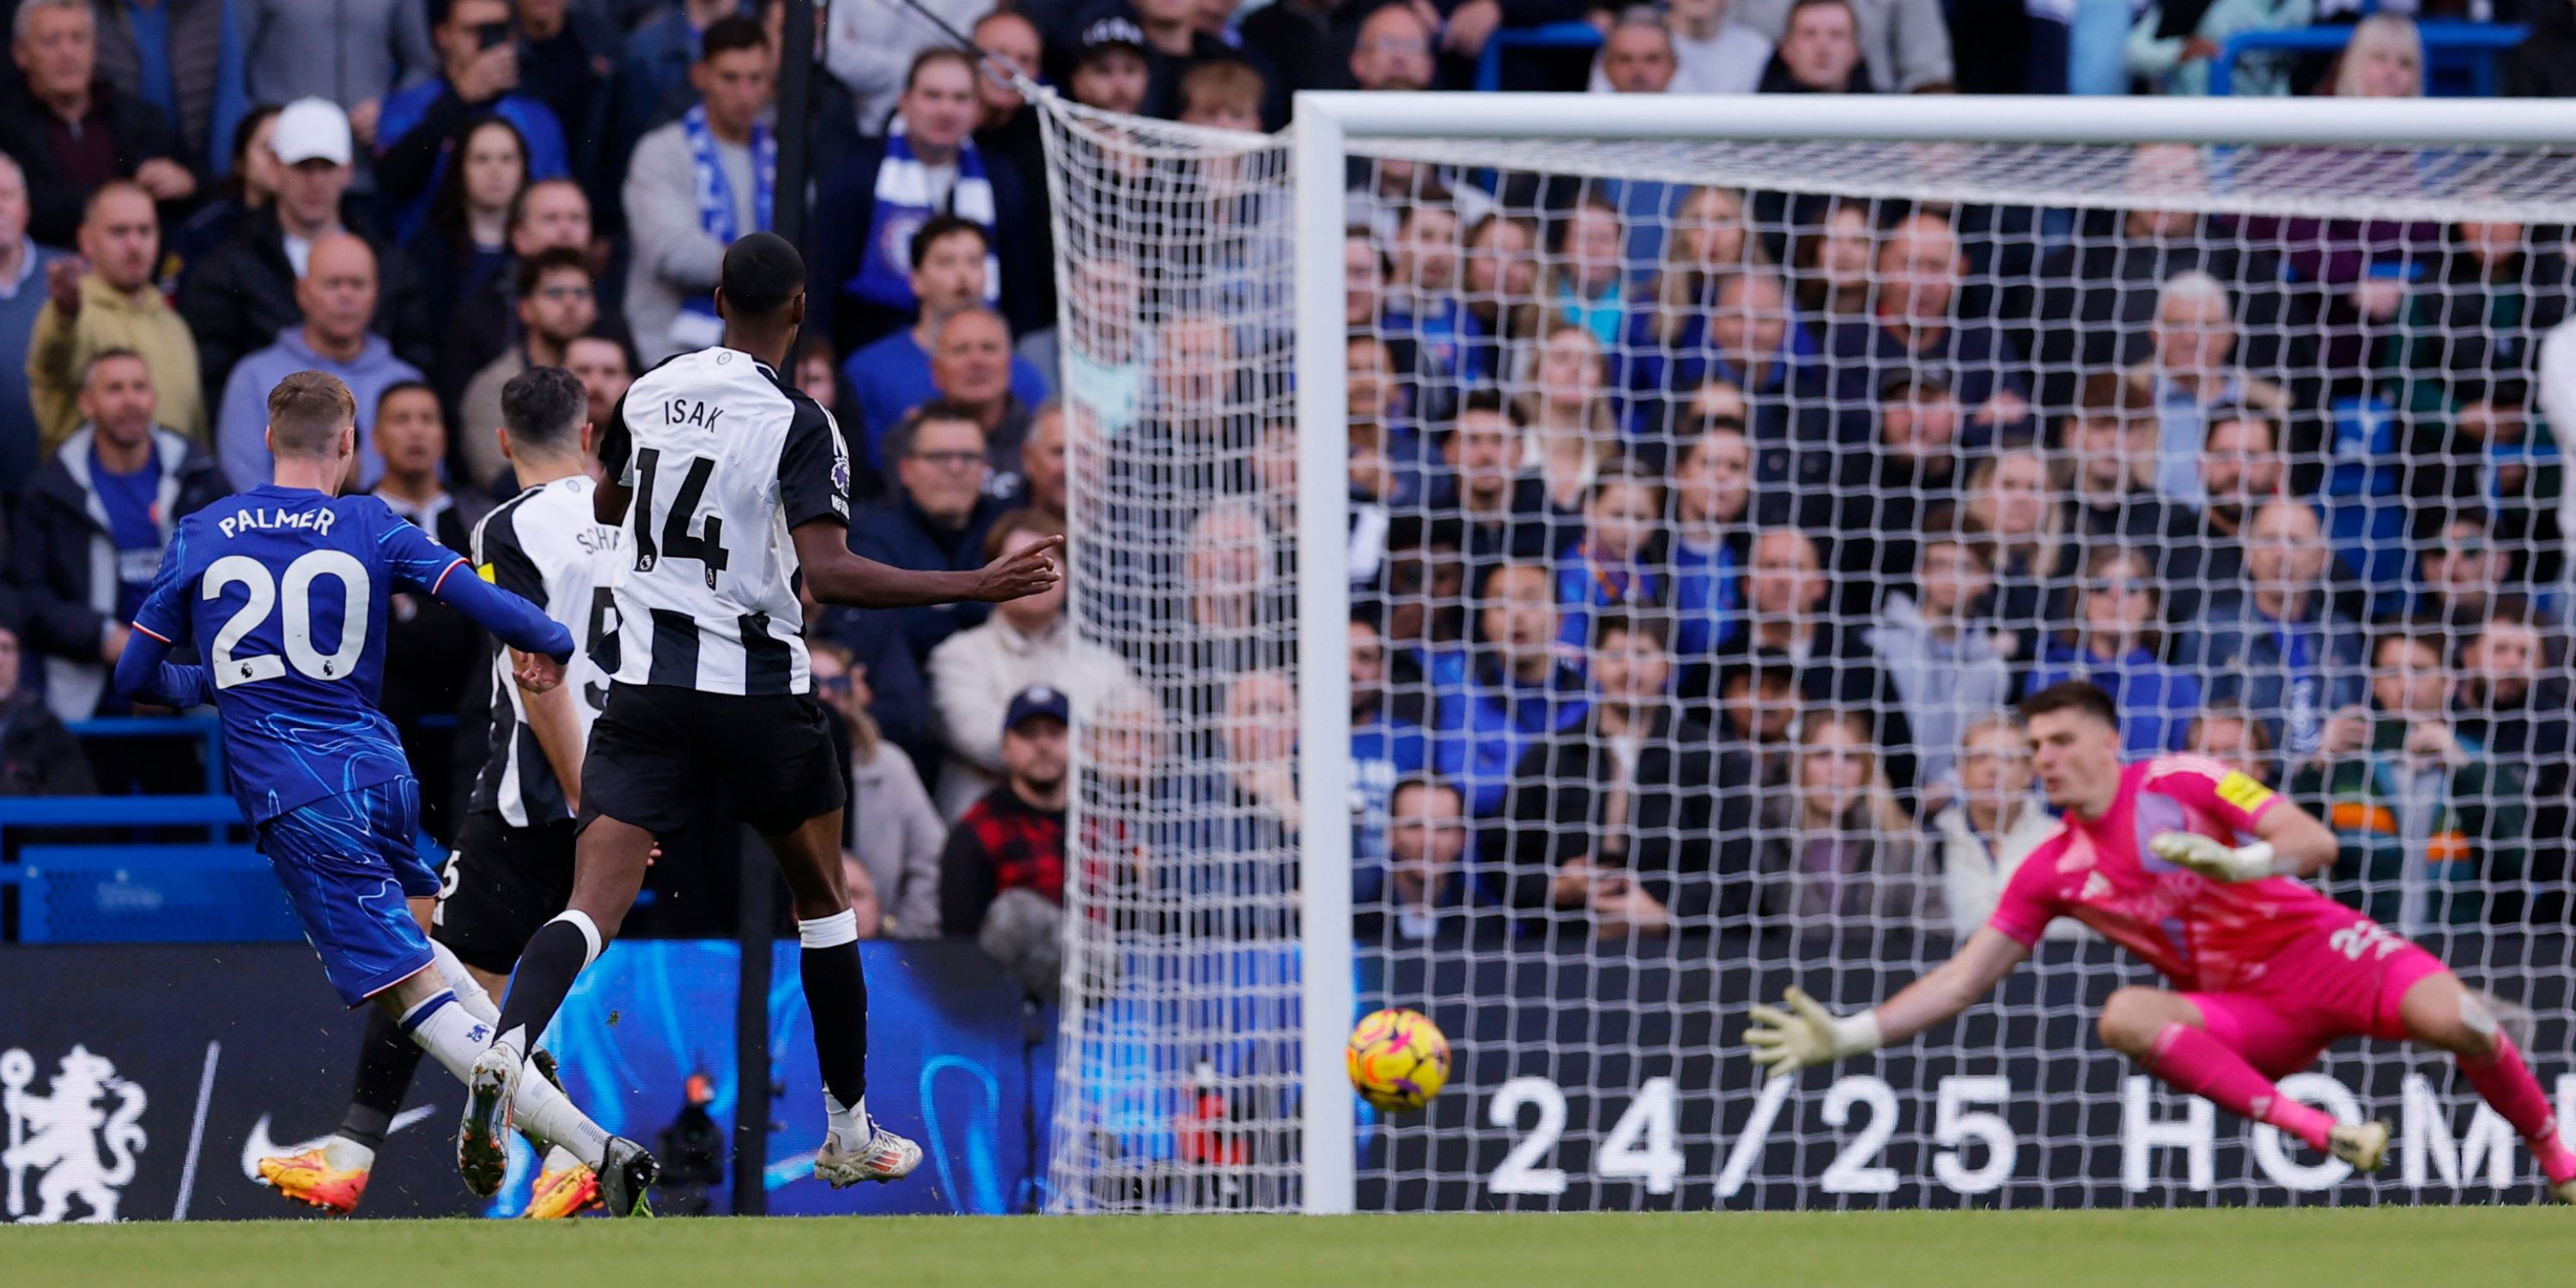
(1709, 530)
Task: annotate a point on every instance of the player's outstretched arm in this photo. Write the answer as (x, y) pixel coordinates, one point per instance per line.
(1807, 1033)
(837, 576)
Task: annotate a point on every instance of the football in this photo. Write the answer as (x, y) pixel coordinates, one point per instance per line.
(1398, 1059)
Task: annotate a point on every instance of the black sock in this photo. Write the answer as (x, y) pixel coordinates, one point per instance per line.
(836, 994)
(386, 1060)
(547, 967)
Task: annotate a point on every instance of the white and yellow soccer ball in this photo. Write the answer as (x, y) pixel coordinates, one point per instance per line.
(1398, 1059)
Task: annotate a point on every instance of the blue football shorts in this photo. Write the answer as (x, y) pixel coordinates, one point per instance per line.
(348, 863)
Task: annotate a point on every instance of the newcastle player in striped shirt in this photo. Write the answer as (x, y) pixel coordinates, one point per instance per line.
(732, 488)
(512, 866)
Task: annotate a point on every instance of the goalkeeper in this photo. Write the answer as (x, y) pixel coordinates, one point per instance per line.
(2266, 972)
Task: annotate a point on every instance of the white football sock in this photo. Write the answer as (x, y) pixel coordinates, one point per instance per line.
(850, 1124)
(549, 1118)
(541, 1113)
(469, 991)
(559, 1159)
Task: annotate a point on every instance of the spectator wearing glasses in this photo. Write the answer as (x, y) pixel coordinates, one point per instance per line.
(936, 517)
(558, 304)
(2116, 643)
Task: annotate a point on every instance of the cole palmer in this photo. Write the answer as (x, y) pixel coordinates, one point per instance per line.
(2195, 868)
(287, 585)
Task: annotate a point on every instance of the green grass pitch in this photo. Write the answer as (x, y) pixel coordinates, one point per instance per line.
(2430, 1247)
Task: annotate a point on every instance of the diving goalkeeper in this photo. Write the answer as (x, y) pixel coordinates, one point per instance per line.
(2266, 972)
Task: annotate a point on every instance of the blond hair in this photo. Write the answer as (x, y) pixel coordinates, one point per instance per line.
(306, 412)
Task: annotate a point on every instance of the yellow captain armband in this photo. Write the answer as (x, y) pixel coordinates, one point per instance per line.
(2240, 790)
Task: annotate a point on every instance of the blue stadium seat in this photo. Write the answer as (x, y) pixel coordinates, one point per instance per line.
(88, 894)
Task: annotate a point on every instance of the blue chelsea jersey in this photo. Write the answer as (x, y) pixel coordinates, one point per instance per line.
(283, 592)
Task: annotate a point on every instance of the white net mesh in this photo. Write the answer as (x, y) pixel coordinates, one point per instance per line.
(1709, 506)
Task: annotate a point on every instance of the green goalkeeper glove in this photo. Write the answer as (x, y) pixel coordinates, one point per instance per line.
(1786, 1042)
(2216, 859)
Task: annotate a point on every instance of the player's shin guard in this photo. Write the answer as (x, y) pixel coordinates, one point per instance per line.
(554, 957)
(2189, 1058)
(386, 1062)
(2506, 1083)
(836, 993)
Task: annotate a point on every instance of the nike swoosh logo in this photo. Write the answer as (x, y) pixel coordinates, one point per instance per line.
(259, 1145)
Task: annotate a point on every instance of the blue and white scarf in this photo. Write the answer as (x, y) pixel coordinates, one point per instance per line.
(697, 326)
(904, 204)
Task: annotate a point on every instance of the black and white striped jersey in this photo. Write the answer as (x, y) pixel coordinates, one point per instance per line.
(725, 459)
(545, 546)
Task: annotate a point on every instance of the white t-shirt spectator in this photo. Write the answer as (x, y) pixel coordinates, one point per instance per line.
(1729, 62)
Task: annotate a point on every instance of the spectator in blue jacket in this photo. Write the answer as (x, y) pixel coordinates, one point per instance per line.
(950, 262)
(478, 59)
(2114, 642)
(1514, 687)
(936, 516)
(89, 532)
(2275, 645)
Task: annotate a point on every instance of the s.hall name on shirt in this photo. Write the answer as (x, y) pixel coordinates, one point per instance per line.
(270, 520)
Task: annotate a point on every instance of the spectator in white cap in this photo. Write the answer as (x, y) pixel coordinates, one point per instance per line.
(243, 293)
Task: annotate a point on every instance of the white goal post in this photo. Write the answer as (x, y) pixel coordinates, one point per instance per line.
(1131, 204)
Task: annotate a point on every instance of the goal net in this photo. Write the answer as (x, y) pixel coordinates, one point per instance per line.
(1584, 562)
